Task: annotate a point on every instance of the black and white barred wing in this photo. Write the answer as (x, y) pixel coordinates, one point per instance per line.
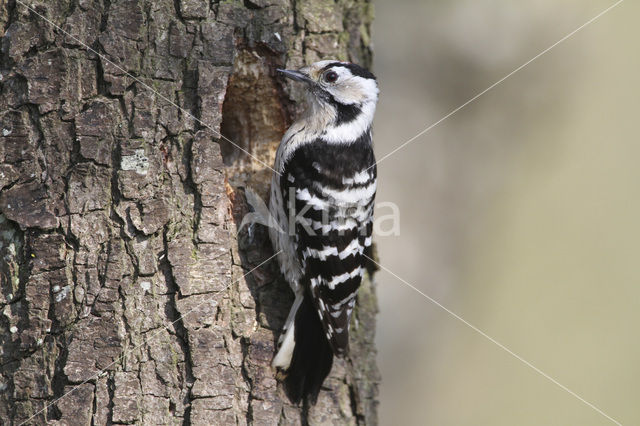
(332, 232)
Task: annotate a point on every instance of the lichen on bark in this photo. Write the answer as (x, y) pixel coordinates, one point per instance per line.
(127, 294)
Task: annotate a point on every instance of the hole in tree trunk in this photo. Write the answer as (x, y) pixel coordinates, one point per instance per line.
(252, 116)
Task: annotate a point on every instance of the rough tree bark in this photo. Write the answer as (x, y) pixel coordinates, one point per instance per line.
(122, 295)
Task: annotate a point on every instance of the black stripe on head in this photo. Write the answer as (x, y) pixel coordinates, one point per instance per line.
(359, 71)
(346, 113)
(355, 69)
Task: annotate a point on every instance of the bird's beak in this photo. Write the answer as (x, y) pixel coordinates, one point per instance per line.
(296, 75)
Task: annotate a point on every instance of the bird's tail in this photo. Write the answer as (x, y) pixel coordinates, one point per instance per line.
(305, 356)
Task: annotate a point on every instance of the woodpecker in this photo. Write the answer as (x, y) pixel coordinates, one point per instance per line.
(322, 195)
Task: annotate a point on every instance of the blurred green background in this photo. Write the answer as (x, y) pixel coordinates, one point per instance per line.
(519, 213)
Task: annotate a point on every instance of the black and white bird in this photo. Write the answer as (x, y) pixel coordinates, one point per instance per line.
(322, 197)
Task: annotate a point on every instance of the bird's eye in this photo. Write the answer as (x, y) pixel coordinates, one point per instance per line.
(331, 77)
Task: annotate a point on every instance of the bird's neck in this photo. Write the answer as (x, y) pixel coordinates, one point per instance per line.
(337, 123)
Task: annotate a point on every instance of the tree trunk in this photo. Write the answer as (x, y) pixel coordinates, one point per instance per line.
(126, 296)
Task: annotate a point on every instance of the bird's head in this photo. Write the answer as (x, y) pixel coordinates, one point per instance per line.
(344, 91)
(334, 81)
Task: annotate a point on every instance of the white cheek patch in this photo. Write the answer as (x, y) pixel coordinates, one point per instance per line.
(353, 89)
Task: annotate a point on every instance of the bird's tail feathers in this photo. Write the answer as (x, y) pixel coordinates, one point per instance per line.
(308, 352)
